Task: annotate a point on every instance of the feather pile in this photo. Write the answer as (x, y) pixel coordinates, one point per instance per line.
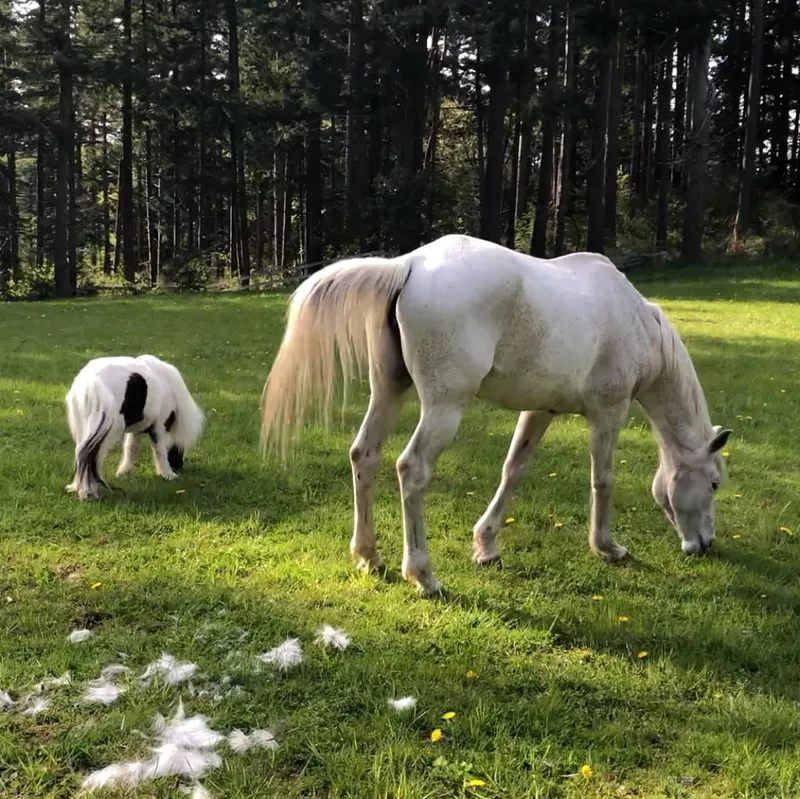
(404, 703)
(285, 655)
(240, 742)
(169, 670)
(331, 636)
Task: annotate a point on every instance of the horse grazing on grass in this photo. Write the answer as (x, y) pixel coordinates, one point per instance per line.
(122, 396)
(461, 317)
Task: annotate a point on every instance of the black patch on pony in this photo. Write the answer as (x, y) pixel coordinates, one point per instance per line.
(170, 421)
(175, 458)
(151, 431)
(132, 409)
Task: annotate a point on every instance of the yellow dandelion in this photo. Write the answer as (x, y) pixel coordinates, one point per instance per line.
(623, 619)
(553, 474)
(472, 675)
(20, 412)
(787, 530)
(643, 654)
(597, 597)
(449, 715)
(95, 586)
(436, 735)
(586, 770)
(473, 783)
(510, 520)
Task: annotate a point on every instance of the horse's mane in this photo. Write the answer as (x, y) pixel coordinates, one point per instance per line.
(678, 368)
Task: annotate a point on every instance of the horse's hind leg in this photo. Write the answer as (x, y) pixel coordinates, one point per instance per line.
(365, 456)
(605, 428)
(531, 426)
(389, 381)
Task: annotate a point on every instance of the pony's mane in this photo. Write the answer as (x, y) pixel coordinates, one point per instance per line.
(680, 372)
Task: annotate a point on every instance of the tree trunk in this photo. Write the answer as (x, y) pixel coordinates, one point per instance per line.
(564, 186)
(126, 169)
(496, 72)
(74, 188)
(662, 147)
(356, 176)
(647, 164)
(202, 145)
(744, 210)
(106, 203)
(693, 217)
(545, 182)
(526, 115)
(612, 136)
(278, 193)
(595, 174)
(638, 100)
(63, 276)
(239, 236)
(511, 191)
(313, 220)
(678, 124)
(41, 154)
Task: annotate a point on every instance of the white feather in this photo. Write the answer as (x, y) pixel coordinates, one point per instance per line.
(173, 760)
(36, 705)
(169, 669)
(331, 636)
(78, 636)
(193, 732)
(113, 670)
(239, 741)
(117, 775)
(102, 692)
(404, 703)
(58, 682)
(285, 655)
(196, 791)
(5, 700)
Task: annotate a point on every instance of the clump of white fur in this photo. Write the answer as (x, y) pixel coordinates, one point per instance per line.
(240, 742)
(404, 703)
(169, 670)
(331, 636)
(79, 636)
(6, 701)
(285, 655)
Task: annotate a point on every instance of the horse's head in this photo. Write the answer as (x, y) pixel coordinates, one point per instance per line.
(686, 493)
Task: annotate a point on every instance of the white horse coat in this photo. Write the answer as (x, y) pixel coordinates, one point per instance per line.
(116, 396)
(462, 317)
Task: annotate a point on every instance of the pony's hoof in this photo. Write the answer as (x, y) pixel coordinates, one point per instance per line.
(170, 476)
(373, 565)
(71, 489)
(430, 589)
(614, 554)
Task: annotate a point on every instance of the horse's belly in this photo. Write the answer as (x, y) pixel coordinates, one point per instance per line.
(523, 394)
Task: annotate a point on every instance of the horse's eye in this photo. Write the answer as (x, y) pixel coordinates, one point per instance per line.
(714, 485)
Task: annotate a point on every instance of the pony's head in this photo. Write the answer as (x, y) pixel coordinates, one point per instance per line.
(175, 457)
(686, 490)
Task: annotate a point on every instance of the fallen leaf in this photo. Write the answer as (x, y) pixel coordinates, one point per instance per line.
(510, 520)
(553, 474)
(558, 524)
(597, 597)
(738, 535)
(623, 619)
(95, 586)
(181, 491)
(473, 783)
(787, 530)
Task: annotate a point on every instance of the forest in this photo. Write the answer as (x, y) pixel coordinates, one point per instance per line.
(149, 142)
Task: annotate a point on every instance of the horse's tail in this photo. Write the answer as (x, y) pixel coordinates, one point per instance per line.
(91, 411)
(340, 309)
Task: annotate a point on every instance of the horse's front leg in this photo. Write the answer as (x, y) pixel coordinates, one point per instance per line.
(605, 428)
(365, 457)
(437, 427)
(531, 426)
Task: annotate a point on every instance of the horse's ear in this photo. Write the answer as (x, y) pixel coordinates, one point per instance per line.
(720, 438)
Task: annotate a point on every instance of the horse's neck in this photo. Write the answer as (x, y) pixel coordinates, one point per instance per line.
(676, 407)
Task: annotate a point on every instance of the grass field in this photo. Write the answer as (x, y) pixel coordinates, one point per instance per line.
(238, 555)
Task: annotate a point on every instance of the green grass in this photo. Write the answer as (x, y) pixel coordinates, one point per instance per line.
(250, 554)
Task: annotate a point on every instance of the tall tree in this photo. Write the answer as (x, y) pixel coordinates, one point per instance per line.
(566, 160)
(126, 165)
(744, 210)
(662, 147)
(357, 176)
(313, 142)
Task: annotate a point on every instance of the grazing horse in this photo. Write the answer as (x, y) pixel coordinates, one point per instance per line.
(116, 396)
(461, 317)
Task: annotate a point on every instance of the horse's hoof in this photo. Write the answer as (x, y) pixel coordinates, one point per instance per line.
(373, 565)
(491, 560)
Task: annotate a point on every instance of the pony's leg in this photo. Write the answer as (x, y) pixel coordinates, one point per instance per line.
(531, 426)
(365, 456)
(437, 427)
(130, 451)
(605, 428)
(158, 443)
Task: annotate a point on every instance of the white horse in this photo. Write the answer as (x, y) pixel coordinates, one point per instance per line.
(116, 396)
(462, 317)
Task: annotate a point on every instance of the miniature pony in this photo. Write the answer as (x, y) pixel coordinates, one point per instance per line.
(122, 396)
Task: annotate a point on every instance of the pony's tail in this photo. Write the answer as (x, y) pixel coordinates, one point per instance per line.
(189, 419)
(98, 426)
(340, 309)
